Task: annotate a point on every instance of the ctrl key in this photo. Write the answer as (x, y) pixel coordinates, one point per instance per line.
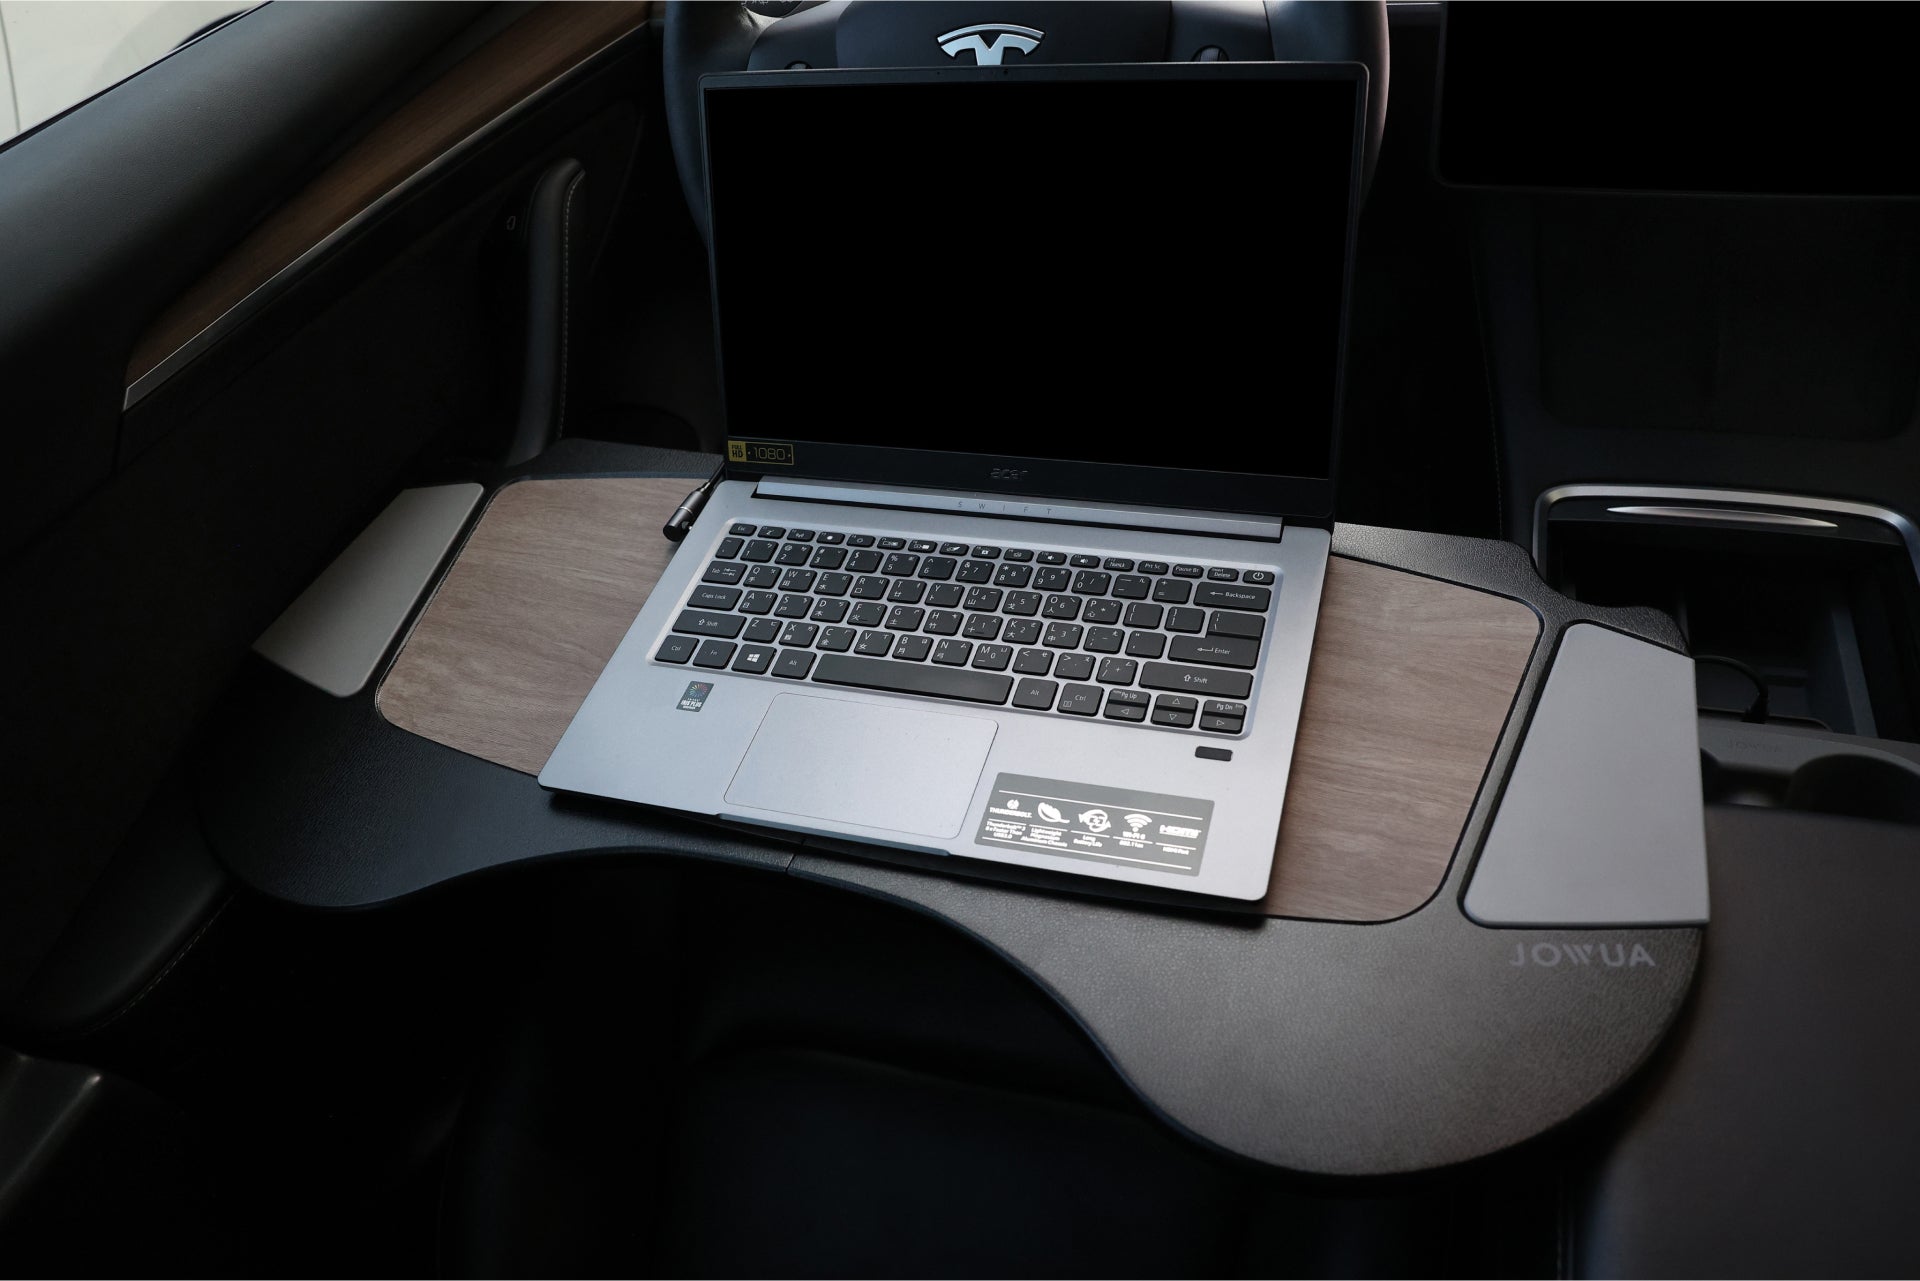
(675, 649)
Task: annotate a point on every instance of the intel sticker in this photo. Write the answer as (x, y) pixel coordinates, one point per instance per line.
(1103, 824)
(696, 696)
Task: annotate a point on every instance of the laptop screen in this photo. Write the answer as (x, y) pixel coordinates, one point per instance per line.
(1143, 270)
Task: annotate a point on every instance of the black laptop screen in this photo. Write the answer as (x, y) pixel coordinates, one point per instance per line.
(1136, 271)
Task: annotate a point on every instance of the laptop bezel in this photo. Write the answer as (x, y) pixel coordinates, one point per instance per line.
(1301, 498)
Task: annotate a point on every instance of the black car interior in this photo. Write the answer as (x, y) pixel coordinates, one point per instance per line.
(322, 254)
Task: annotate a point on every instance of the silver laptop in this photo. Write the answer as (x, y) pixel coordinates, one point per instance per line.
(1031, 381)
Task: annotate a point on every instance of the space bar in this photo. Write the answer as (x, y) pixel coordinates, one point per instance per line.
(910, 678)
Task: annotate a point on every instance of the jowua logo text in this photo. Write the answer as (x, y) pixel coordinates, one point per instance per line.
(1575, 956)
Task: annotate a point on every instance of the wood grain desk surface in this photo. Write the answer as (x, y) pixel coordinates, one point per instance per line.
(1412, 680)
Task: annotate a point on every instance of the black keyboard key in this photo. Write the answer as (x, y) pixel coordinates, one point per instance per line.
(1074, 667)
(799, 634)
(1118, 710)
(1037, 695)
(1011, 575)
(975, 571)
(759, 550)
(868, 613)
(872, 587)
(1132, 587)
(1216, 651)
(1145, 644)
(879, 644)
(1258, 577)
(1211, 681)
(800, 535)
(1144, 614)
(761, 576)
(729, 548)
(1033, 662)
(1105, 640)
(893, 544)
(1102, 611)
(1062, 607)
(983, 598)
(905, 618)
(1019, 553)
(793, 607)
(1234, 597)
(1177, 701)
(793, 554)
(859, 540)
(1053, 580)
(922, 545)
(1117, 565)
(1172, 717)
(794, 664)
(986, 552)
(913, 649)
(945, 622)
(1171, 591)
(754, 660)
(1214, 707)
(700, 622)
(797, 580)
(723, 571)
(1187, 571)
(938, 682)
(1221, 724)
(944, 596)
(837, 640)
(676, 649)
(830, 539)
(758, 603)
(1221, 574)
(1022, 631)
(828, 611)
(772, 531)
(1186, 620)
(953, 549)
(992, 658)
(1022, 604)
(901, 565)
(982, 627)
(1053, 558)
(953, 653)
(714, 653)
(1129, 698)
(1084, 561)
(762, 631)
(833, 584)
(938, 568)
(1117, 671)
(1062, 636)
(907, 591)
(864, 562)
(741, 528)
(1092, 582)
(1232, 623)
(1152, 567)
(714, 597)
(828, 557)
(1080, 700)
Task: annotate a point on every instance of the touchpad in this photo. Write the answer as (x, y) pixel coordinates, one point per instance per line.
(897, 768)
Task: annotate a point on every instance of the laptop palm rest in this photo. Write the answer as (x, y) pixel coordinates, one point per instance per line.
(899, 769)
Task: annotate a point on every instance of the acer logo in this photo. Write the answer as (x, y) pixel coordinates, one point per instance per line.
(1008, 473)
(988, 51)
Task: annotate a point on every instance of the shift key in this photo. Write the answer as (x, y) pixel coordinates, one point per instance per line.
(1217, 651)
(1210, 681)
(701, 622)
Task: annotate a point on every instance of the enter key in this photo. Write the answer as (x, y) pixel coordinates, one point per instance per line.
(1215, 651)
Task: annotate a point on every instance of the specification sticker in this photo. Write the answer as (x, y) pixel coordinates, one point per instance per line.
(1104, 824)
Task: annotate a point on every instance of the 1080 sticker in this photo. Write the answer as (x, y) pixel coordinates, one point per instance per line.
(1102, 824)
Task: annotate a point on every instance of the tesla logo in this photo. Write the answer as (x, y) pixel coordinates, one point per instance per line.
(989, 41)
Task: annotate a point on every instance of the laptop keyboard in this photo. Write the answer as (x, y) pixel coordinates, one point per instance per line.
(1072, 633)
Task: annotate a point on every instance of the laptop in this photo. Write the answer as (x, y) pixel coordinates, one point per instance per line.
(1031, 383)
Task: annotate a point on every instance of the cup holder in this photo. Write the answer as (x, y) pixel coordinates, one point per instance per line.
(1815, 773)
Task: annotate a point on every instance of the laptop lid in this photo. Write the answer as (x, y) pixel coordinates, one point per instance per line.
(1124, 284)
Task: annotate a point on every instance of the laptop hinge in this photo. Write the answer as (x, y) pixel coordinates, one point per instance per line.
(1059, 511)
